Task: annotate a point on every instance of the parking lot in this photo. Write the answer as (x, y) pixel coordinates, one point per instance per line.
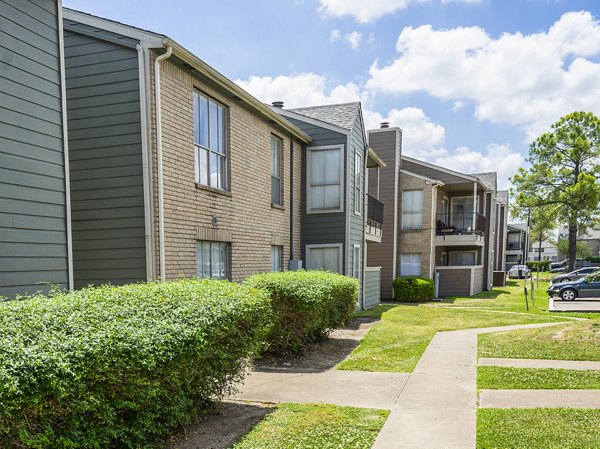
(579, 305)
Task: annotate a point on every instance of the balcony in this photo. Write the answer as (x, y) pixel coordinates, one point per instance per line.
(374, 219)
(460, 229)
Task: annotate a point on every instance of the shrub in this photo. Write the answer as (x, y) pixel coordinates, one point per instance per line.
(122, 366)
(306, 306)
(534, 265)
(413, 289)
(593, 259)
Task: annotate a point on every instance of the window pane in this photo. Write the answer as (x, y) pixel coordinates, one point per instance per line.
(196, 119)
(224, 259)
(276, 191)
(317, 198)
(199, 261)
(332, 197)
(412, 209)
(331, 259)
(276, 254)
(203, 121)
(221, 129)
(410, 264)
(214, 170)
(222, 173)
(213, 123)
(317, 167)
(203, 168)
(463, 258)
(332, 166)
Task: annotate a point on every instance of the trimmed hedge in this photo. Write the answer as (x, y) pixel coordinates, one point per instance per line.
(413, 289)
(122, 366)
(534, 265)
(306, 306)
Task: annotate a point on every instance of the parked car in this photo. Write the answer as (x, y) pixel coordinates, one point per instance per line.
(519, 271)
(573, 275)
(558, 270)
(581, 288)
(559, 265)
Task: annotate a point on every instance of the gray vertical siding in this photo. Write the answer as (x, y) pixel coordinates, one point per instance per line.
(33, 226)
(107, 198)
(372, 287)
(321, 228)
(356, 223)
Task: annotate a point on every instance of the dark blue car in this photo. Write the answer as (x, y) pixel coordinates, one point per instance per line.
(581, 288)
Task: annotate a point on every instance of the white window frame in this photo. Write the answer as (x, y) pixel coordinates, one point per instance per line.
(280, 261)
(356, 267)
(474, 251)
(422, 209)
(279, 169)
(309, 150)
(420, 264)
(198, 147)
(358, 196)
(339, 246)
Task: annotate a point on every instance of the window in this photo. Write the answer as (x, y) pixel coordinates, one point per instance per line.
(324, 257)
(358, 196)
(210, 142)
(276, 257)
(459, 258)
(412, 209)
(276, 156)
(410, 264)
(324, 182)
(212, 260)
(356, 262)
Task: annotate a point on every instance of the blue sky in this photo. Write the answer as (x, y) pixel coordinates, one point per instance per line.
(470, 82)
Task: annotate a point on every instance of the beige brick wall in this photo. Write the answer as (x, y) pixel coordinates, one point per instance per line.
(417, 241)
(245, 215)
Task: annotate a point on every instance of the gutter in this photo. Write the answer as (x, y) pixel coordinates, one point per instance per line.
(161, 204)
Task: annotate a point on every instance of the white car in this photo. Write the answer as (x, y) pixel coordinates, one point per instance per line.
(515, 269)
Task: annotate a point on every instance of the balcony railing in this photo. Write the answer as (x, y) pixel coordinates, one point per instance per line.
(374, 212)
(448, 224)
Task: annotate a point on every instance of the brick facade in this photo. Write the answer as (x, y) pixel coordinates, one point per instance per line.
(418, 241)
(244, 214)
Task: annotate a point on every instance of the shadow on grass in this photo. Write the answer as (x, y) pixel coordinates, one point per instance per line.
(221, 427)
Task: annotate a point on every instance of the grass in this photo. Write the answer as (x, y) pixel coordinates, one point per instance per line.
(538, 428)
(503, 378)
(315, 426)
(579, 340)
(396, 343)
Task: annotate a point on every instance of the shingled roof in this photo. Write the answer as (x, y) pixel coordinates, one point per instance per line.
(342, 115)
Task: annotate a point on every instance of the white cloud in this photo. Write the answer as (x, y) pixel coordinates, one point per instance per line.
(460, 1)
(302, 89)
(458, 105)
(526, 80)
(497, 158)
(353, 39)
(335, 35)
(362, 10)
(421, 138)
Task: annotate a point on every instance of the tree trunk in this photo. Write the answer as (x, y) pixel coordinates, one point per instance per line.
(572, 245)
(540, 248)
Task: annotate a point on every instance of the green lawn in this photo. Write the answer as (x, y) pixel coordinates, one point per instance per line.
(578, 340)
(538, 428)
(315, 426)
(396, 343)
(503, 378)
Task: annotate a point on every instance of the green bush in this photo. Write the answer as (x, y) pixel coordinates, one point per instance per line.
(413, 289)
(536, 265)
(593, 259)
(306, 306)
(122, 366)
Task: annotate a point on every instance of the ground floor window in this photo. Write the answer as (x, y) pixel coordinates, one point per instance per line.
(410, 264)
(276, 257)
(459, 258)
(324, 257)
(212, 260)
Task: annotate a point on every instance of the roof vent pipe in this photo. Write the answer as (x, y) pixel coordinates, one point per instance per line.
(385, 125)
(278, 104)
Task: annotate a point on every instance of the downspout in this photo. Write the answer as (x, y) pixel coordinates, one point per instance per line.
(291, 198)
(433, 228)
(161, 205)
(363, 272)
(65, 136)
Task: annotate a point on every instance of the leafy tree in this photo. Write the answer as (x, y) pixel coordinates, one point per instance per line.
(581, 249)
(565, 173)
(542, 223)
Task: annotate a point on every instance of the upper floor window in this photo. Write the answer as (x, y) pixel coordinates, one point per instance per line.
(358, 196)
(210, 141)
(412, 209)
(276, 158)
(324, 183)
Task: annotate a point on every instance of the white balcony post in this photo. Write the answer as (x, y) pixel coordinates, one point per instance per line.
(474, 204)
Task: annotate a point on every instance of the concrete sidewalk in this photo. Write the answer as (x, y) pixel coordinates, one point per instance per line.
(539, 398)
(537, 363)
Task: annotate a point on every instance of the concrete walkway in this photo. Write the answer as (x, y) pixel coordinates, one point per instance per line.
(539, 398)
(537, 363)
(437, 409)
(579, 305)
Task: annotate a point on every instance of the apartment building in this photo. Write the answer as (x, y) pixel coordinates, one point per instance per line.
(448, 225)
(517, 244)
